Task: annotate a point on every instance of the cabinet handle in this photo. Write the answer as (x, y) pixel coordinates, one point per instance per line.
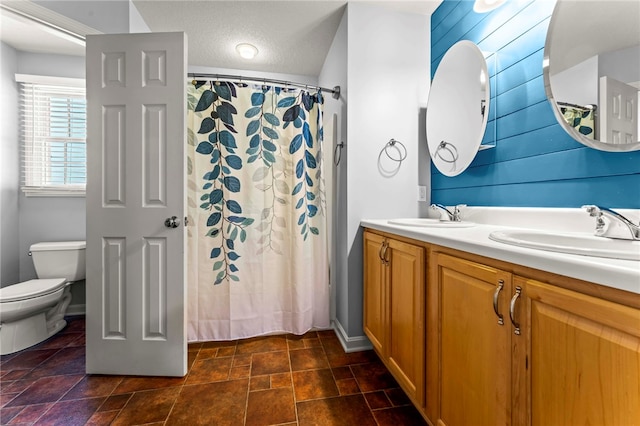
(512, 308)
(384, 254)
(380, 251)
(496, 294)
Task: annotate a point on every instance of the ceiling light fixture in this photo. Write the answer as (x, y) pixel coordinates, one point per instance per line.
(246, 50)
(484, 6)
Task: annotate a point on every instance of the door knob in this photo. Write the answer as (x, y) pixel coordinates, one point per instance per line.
(172, 222)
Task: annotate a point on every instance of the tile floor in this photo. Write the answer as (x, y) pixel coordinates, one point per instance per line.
(276, 380)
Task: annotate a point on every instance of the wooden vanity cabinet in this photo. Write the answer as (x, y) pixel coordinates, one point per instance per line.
(374, 292)
(474, 354)
(478, 341)
(394, 277)
(560, 357)
(581, 359)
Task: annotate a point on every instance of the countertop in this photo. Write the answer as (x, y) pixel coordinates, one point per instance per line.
(615, 273)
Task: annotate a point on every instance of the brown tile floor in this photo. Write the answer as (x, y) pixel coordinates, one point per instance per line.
(275, 380)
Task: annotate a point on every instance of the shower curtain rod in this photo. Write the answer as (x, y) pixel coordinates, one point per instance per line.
(335, 92)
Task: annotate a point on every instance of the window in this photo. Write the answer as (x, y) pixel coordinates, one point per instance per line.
(53, 135)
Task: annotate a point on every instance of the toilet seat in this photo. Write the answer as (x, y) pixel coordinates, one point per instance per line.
(31, 289)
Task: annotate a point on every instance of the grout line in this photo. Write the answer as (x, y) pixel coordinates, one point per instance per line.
(293, 389)
(246, 403)
(323, 353)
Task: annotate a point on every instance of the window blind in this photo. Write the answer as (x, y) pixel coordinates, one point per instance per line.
(53, 133)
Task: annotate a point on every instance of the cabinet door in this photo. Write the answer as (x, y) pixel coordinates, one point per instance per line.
(374, 292)
(474, 356)
(406, 286)
(583, 360)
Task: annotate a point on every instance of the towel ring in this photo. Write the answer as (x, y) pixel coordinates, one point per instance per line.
(450, 148)
(402, 152)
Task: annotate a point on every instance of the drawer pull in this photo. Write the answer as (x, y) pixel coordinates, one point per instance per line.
(384, 253)
(496, 294)
(512, 308)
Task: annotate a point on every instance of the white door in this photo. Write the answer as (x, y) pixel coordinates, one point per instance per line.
(618, 111)
(136, 286)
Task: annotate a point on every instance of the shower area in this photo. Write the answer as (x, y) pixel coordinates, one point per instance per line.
(221, 236)
(257, 234)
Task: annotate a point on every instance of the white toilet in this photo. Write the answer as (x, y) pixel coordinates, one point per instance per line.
(32, 311)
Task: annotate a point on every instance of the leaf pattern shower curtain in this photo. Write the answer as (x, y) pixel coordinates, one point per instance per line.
(257, 244)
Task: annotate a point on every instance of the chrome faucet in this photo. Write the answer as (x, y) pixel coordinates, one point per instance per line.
(615, 225)
(455, 216)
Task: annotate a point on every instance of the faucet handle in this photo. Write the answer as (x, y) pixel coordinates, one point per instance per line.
(459, 206)
(457, 212)
(593, 211)
(614, 226)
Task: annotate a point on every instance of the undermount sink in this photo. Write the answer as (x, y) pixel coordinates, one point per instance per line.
(583, 244)
(430, 223)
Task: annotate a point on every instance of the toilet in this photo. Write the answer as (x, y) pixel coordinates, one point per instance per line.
(32, 311)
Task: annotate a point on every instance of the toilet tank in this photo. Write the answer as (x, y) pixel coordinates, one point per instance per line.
(65, 259)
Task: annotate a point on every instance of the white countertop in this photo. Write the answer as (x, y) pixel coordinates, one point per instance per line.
(615, 273)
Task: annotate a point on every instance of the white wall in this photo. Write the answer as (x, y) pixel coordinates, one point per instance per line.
(303, 79)
(621, 64)
(136, 21)
(578, 84)
(334, 73)
(9, 170)
(107, 16)
(50, 65)
(388, 80)
(50, 218)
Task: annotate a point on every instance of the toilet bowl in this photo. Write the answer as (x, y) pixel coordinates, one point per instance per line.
(32, 311)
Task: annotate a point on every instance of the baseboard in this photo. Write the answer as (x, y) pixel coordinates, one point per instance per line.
(351, 344)
(76, 310)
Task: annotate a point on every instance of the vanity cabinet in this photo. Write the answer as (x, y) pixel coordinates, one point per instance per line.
(516, 350)
(582, 358)
(474, 346)
(394, 277)
(499, 343)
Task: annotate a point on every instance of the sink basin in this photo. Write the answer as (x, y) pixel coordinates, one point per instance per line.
(583, 244)
(430, 223)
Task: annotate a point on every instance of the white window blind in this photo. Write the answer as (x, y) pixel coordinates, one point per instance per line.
(53, 136)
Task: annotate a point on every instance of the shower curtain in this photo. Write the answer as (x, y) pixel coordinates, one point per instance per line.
(580, 118)
(257, 243)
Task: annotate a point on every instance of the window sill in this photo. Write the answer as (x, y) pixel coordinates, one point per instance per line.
(54, 192)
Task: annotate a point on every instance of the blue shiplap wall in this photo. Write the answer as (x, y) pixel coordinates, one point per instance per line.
(536, 163)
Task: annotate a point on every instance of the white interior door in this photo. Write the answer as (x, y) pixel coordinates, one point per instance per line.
(136, 286)
(618, 111)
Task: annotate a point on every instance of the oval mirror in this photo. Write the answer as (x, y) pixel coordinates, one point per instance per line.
(457, 108)
(591, 71)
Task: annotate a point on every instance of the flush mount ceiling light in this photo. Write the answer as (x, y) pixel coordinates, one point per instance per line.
(483, 6)
(246, 50)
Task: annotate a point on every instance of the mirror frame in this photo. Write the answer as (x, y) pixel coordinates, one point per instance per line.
(592, 143)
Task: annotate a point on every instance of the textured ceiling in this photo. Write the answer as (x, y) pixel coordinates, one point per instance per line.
(293, 37)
